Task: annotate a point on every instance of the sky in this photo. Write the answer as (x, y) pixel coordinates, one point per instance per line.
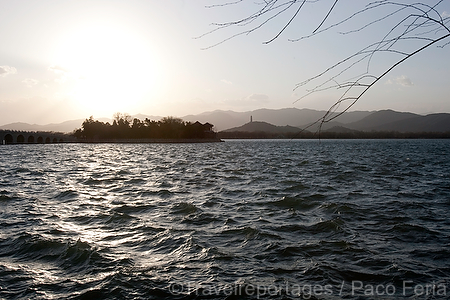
(63, 60)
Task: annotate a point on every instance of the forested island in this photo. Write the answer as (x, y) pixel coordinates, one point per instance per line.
(125, 128)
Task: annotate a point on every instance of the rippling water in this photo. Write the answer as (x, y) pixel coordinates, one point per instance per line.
(350, 219)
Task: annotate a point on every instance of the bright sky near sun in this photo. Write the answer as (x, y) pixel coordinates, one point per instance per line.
(63, 60)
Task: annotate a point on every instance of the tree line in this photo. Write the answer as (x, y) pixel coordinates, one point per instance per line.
(126, 127)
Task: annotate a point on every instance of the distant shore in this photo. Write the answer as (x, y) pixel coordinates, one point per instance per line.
(334, 135)
(147, 141)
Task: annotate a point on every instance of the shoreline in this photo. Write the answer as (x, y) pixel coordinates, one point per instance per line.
(127, 141)
(148, 141)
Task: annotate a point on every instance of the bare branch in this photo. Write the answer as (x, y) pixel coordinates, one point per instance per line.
(417, 22)
(287, 24)
(326, 17)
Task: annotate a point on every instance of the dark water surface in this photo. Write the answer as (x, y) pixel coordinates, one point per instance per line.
(356, 219)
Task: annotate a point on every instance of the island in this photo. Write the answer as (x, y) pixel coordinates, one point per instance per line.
(125, 129)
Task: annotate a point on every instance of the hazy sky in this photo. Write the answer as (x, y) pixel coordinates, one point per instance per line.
(62, 60)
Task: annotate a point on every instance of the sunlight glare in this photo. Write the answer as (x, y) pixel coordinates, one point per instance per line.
(113, 68)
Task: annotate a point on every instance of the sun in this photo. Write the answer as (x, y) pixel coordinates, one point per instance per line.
(112, 68)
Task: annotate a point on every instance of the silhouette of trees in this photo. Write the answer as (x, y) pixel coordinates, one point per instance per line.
(125, 127)
(407, 27)
(171, 127)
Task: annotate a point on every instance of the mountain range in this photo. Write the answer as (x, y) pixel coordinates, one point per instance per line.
(295, 117)
(381, 121)
(286, 120)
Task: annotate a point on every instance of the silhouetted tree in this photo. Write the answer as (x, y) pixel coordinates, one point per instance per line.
(171, 127)
(92, 128)
(409, 28)
(124, 127)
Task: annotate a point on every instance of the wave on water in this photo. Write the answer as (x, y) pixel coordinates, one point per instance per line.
(234, 220)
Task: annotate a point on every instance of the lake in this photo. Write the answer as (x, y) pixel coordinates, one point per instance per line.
(243, 219)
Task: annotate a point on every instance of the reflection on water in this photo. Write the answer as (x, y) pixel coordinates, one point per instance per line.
(206, 221)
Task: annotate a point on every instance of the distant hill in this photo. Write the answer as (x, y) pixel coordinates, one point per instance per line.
(380, 121)
(263, 127)
(428, 123)
(221, 119)
(224, 120)
(67, 126)
(339, 129)
(286, 120)
(389, 120)
(380, 118)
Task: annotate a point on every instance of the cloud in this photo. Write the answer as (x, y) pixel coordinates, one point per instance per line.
(30, 82)
(253, 100)
(445, 14)
(6, 70)
(258, 98)
(61, 79)
(401, 80)
(226, 81)
(57, 69)
(61, 72)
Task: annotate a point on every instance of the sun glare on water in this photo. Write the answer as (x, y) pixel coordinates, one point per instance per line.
(112, 68)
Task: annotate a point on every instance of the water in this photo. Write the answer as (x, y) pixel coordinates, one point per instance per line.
(356, 219)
